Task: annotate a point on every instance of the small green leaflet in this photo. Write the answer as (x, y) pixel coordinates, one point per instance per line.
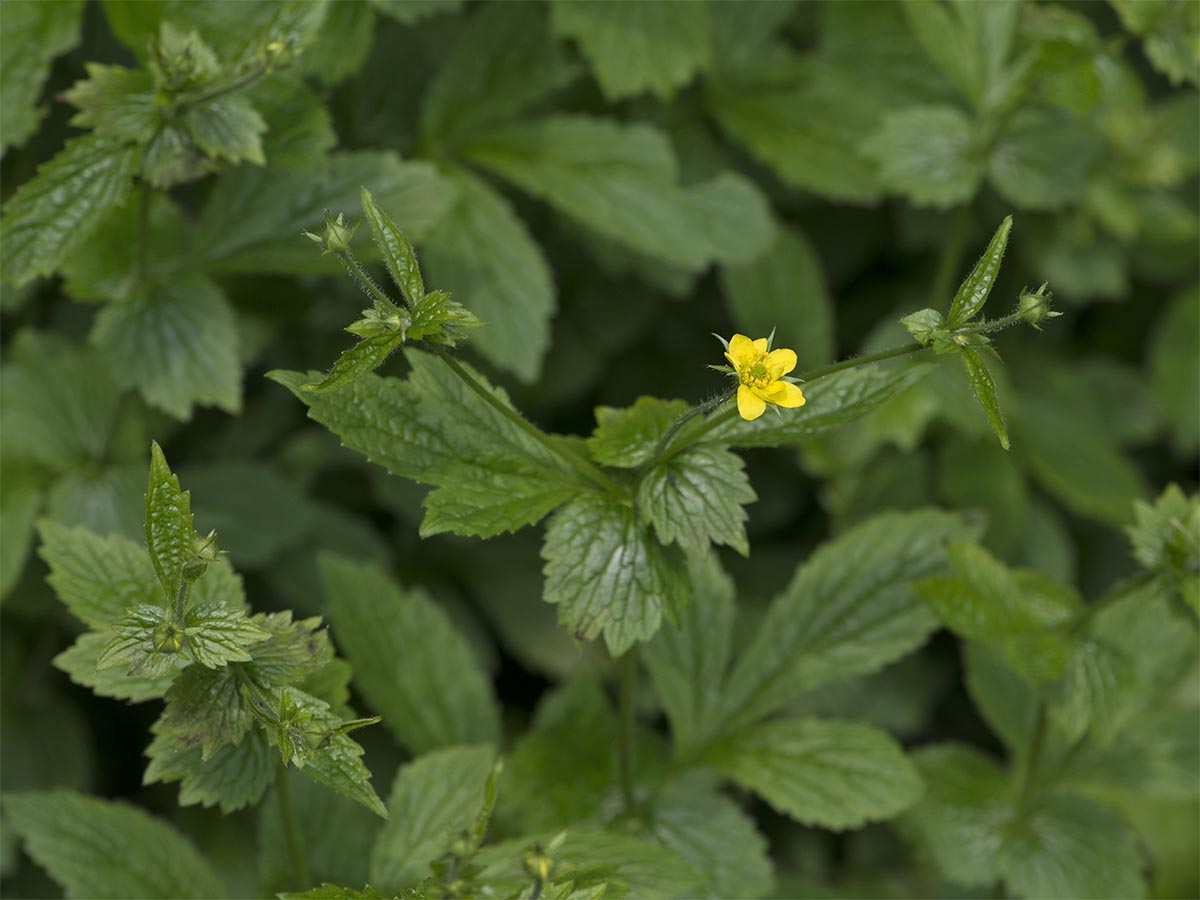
(397, 252)
(974, 290)
(985, 391)
(169, 530)
(365, 356)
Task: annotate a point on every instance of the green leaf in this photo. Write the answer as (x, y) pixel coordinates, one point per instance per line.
(106, 499)
(217, 636)
(52, 213)
(974, 290)
(929, 154)
(227, 128)
(970, 43)
(97, 578)
(81, 660)
(1174, 380)
(1072, 847)
(511, 52)
(831, 401)
(169, 531)
(19, 505)
(1089, 697)
(784, 291)
(145, 643)
(924, 324)
(985, 391)
(253, 217)
(60, 403)
(300, 132)
(959, 824)
(177, 344)
(482, 251)
(687, 663)
(1007, 701)
(847, 611)
(339, 766)
(695, 497)
(205, 709)
(635, 47)
(821, 772)
(433, 799)
(440, 320)
(1043, 159)
(293, 651)
(714, 835)
(395, 249)
(232, 778)
(628, 437)
(987, 602)
(408, 12)
(1169, 33)
(605, 573)
(33, 34)
(364, 357)
(621, 181)
(99, 848)
(409, 660)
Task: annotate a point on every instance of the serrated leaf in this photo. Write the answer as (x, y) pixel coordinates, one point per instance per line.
(482, 252)
(713, 834)
(1043, 158)
(831, 401)
(987, 602)
(99, 848)
(441, 320)
(339, 766)
(300, 131)
(606, 574)
(512, 53)
(984, 387)
(622, 181)
(177, 344)
(635, 47)
(217, 636)
(695, 498)
(205, 709)
(60, 403)
(628, 437)
(959, 824)
(364, 357)
(144, 643)
(232, 778)
(784, 290)
(227, 128)
(96, 577)
(395, 249)
(116, 102)
(80, 661)
(974, 290)
(401, 638)
(63, 204)
(1072, 847)
(829, 773)
(103, 499)
(929, 154)
(169, 531)
(687, 663)
(253, 217)
(292, 652)
(433, 798)
(847, 611)
(33, 33)
(1089, 696)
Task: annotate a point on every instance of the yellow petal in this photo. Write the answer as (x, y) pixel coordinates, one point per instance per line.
(741, 352)
(761, 346)
(750, 405)
(780, 362)
(785, 394)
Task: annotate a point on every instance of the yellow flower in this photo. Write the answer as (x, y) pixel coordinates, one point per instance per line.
(760, 370)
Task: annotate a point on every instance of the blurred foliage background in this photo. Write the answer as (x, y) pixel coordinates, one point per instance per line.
(605, 185)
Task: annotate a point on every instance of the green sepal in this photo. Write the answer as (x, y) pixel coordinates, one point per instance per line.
(973, 292)
(985, 391)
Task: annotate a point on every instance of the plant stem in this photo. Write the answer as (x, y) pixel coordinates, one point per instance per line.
(951, 256)
(364, 278)
(855, 361)
(590, 471)
(291, 829)
(628, 735)
(1029, 776)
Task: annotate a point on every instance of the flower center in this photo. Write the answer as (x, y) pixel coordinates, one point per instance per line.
(756, 374)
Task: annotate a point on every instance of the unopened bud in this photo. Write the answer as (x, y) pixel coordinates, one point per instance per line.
(1035, 306)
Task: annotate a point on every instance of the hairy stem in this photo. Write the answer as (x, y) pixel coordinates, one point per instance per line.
(291, 828)
(628, 736)
(585, 468)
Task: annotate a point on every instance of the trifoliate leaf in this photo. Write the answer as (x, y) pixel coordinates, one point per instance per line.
(622, 181)
(695, 497)
(822, 772)
(81, 663)
(847, 611)
(483, 253)
(628, 437)
(63, 204)
(177, 344)
(169, 531)
(400, 637)
(433, 799)
(635, 47)
(512, 53)
(606, 574)
(232, 778)
(687, 663)
(33, 33)
(928, 154)
(101, 848)
(714, 835)
(974, 290)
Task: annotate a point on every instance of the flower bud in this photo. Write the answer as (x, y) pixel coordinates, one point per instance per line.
(1035, 306)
